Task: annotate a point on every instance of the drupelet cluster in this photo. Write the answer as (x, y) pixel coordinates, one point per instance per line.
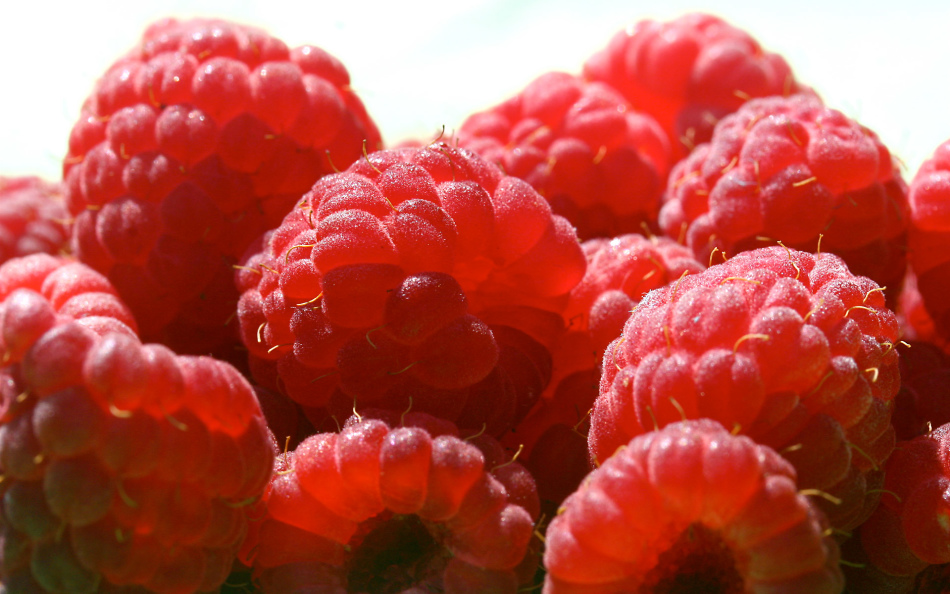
(197, 141)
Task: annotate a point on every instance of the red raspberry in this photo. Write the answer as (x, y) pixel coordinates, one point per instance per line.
(786, 347)
(691, 508)
(122, 463)
(191, 146)
(395, 504)
(689, 73)
(916, 323)
(794, 171)
(418, 277)
(620, 271)
(32, 217)
(911, 528)
(922, 402)
(929, 198)
(599, 163)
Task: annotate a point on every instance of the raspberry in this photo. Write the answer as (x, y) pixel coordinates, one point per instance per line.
(916, 323)
(922, 402)
(691, 508)
(786, 347)
(929, 199)
(391, 505)
(32, 217)
(599, 163)
(627, 266)
(620, 271)
(794, 171)
(123, 464)
(863, 576)
(911, 527)
(191, 146)
(418, 277)
(40, 291)
(689, 73)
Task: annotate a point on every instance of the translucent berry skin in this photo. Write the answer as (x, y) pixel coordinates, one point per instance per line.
(32, 217)
(790, 170)
(600, 163)
(929, 198)
(689, 73)
(911, 528)
(786, 347)
(124, 465)
(422, 274)
(192, 145)
(746, 526)
(347, 503)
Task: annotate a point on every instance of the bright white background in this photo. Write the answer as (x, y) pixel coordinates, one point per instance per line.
(422, 64)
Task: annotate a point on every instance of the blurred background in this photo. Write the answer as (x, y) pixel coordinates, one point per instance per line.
(420, 65)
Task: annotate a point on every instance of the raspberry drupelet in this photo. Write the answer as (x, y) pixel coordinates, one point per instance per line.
(33, 217)
(123, 465)
(910, 529)
(419, 277)
(929, 198)
(395, 503)
(620, 271)
(192, 145)
(922, 402)
(600, 163)
(787, 347)
(690, 508)
(791, 170)
(689, 73)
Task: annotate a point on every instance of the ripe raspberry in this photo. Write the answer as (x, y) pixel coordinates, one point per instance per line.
(418, 277)
(689, 73)
(122, 464)
(620, 271)
(394, 504)
(916, 323)
(911, 528)
(691, 508)
(32, 217)
(929, 198)
(599, 163)
(794, 171)
(786, 347)
(922, 402)
(191, 146)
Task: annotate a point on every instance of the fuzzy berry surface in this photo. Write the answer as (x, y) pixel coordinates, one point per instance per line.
(600, 163)
(33, 217)
(691, 508)
(190, 147)
(124, 465)
(791, 170)
(420, 278)
(689, 73)
(787, 347)
(395, 503)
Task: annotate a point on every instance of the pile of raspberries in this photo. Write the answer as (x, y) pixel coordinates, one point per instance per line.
(668, 324)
